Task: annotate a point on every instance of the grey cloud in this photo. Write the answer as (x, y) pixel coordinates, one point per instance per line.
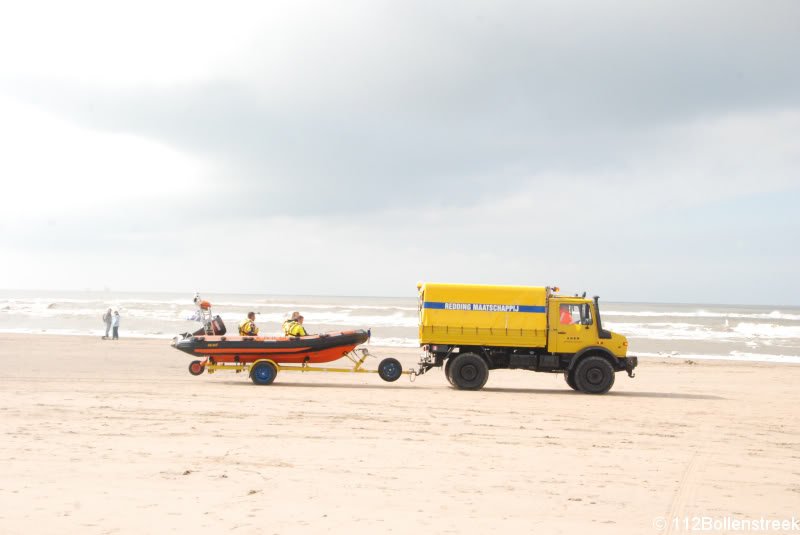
(456, 104)
(403, 141)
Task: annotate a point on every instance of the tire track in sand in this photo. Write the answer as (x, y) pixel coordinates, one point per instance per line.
(685, 492)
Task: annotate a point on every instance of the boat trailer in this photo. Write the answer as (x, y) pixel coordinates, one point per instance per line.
(264, 371)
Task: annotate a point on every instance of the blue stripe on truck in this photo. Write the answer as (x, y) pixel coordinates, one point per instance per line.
(482, 307)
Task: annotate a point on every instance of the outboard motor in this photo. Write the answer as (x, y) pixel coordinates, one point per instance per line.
(218, 326)
(212, 326)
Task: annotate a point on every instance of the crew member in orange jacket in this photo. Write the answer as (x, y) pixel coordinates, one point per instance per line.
(566, 317)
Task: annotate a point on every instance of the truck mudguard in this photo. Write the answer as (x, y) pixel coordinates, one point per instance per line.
(595, 350)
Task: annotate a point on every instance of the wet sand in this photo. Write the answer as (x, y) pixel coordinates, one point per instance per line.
(117, 437)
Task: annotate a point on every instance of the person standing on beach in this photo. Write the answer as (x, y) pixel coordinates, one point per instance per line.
(107, 320)
(115, 325)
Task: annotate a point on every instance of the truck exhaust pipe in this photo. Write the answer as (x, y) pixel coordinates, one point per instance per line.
(601, 333)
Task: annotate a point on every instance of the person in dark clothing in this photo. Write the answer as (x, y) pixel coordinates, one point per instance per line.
(107, 321)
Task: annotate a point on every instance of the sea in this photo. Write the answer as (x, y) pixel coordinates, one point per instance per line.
(676, 331)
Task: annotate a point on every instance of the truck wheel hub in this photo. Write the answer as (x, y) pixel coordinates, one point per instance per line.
(594, 376)
(469, 372)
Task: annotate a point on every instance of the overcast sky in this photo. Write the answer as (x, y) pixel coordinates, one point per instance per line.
(644, 151)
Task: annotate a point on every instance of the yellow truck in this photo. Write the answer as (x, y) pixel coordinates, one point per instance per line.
(471, 329)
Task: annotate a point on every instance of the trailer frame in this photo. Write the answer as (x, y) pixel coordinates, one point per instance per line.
(389, 368)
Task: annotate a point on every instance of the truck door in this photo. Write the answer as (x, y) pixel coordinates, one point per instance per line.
(571, 326)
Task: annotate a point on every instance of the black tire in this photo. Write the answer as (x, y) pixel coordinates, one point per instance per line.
(447, 366)
(196, 367)
(390, 370)
(594, 375)
(469, 372)
(263, 373)
(569, 377)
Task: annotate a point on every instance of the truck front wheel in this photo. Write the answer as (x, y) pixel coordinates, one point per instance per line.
(594, 375)
(570, 378)
(469, 372)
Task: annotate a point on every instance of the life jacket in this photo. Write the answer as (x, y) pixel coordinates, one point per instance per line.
(247, 328)
(287, 326)
(295, 329)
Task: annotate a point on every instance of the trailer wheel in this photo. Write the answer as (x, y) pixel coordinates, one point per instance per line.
(263, 373)
(469, 372)
(196, 367)
(570, 378)
(447, 370)
(594, 375)
(390, 370)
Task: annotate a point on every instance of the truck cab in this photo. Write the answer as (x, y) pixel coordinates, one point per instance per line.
(575, 326)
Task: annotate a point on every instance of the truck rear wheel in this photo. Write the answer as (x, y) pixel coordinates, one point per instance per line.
(469, 372)
(447, 366)
(594, 375)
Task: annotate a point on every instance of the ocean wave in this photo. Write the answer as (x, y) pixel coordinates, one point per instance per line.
(333, 319)
(733, 356)
(774, 315)
(394, 341)
(405, 342)
(692, 331)
(290, 307)
(90, 332)
(312, 316)
(390, 341)
(393, 323)
(167, 310)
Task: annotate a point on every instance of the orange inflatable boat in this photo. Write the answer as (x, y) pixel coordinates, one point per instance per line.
(264, 356)
(315, 349)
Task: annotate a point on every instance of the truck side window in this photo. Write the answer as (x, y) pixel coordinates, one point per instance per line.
(575, 314)
(586, 315)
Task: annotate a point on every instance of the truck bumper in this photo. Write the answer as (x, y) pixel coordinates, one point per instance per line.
(629, 364)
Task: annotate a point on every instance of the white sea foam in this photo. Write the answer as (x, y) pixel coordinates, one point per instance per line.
(251, 305)
(688, 331)
(92, 332)
(774, 315)
(394, 342)
(733, 355)
(328, 318)
(377, 341)
(393, 321)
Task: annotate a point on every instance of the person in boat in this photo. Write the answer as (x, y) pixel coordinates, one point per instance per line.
(296, 327)
(287, 325)
(248, 326)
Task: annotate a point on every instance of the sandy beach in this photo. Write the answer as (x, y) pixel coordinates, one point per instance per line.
(117, 437)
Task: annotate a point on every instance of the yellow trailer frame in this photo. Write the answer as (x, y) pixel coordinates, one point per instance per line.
(210, 366)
